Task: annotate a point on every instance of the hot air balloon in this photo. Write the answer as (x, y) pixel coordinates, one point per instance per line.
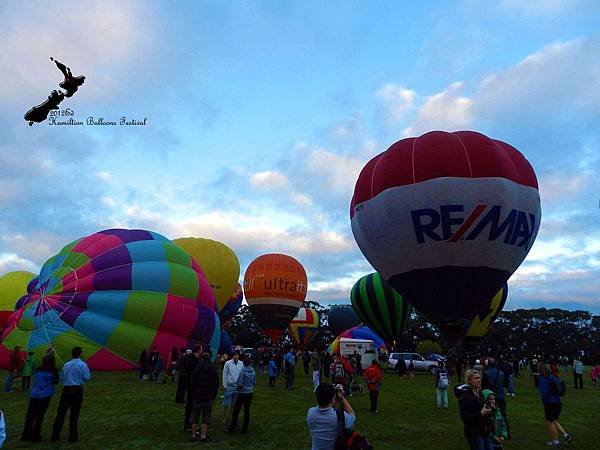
(341, 318)
(113, 293)
(304, 326)
(275, 287)
(446, 218)
(13, 285)
(480, 325)
(358, 332)
(380, 307)
(219, 264)
(232, 305)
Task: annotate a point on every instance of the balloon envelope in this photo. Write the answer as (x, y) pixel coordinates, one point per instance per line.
(232, 305)
(446, 218)
(379, 306)
(358, 332)
(481, 324)
(304, 326)
(275, 286)
(13, 285)
(219, 264)
(342, 318)
(114, 293)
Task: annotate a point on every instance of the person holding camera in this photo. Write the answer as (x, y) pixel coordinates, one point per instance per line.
(475, 414)
(322, 419)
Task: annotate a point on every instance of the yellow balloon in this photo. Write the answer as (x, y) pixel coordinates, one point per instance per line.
(218, 262)
(13, 285)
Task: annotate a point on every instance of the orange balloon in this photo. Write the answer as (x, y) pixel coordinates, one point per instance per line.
(275, 286)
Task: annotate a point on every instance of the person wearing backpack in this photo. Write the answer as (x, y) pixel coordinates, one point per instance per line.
(323, 418)
(338, 372)
(442, 382)
(550, 391)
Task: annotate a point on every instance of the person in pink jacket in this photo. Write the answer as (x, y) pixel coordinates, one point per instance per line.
(595, 373)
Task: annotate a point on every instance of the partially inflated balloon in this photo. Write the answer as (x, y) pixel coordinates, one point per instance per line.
(359, 332)
(446, 218)
(380, 307)
(219, 264)
(341, 318)
(232, 306)
(13, 285)
(481, 324)
(114, 293)
(304, 326)
(275, 287)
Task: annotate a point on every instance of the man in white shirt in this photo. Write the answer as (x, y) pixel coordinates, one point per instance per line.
(322, 419)
(231, 373)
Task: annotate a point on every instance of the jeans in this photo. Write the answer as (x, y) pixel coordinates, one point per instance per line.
(511, 384)
(373, 394)
(245, 400)
(441, 397)
(578, 380)
(480, 443)
(316, 379)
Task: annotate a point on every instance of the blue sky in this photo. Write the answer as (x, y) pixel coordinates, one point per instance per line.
(261, 115)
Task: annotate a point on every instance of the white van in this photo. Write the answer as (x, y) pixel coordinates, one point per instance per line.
(364, 347)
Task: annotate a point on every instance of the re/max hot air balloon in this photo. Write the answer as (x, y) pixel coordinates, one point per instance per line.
(341, 318)
(481, 324)
(446, 218)
(114, 293)
(380, 307)
(275, 286)
(358, 332)
(304, 326)
(232, 305)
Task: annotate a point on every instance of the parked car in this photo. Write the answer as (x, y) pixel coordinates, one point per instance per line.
(420, 363)
(249, 352)
(434, 356)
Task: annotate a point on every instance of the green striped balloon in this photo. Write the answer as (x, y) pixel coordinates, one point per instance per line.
(379, 306)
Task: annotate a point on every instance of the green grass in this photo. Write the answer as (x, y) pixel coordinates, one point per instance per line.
(119, 413)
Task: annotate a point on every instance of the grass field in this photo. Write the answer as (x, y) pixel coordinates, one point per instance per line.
(119, 413)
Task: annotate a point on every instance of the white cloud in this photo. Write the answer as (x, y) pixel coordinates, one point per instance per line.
(10, 262)
(446, 110)
(397, 101)
(301, 199)
(338, 172)
(547, 8)
(269, 180)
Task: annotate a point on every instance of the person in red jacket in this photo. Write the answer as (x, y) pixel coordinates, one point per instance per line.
(15, 364)
(373, 377)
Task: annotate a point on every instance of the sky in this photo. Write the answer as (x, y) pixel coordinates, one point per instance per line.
(261, 114)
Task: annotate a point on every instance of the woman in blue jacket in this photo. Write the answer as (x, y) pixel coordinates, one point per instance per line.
(552, 405)
(245, 388)
(46, 378)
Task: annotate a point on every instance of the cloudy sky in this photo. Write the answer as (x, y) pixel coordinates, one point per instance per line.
(260, 115)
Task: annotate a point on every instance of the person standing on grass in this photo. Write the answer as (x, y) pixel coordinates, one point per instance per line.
(373, 377)
(46, 378)
(322, 419)
(552, 405)
(144, 365)
(245, 389)
(172, 364)
(182, 377)
(474, 413)
(306, 362)
(191, 361)
(15, 364)
(74, 374)
(577, 373)
(595, 374)
(442, 382)
(498, 430)
(28, 366)
(493, 379)
(272, 371)
(315, 364)
(289, 361)
(204, 386)
(231, 372)
(458, 366)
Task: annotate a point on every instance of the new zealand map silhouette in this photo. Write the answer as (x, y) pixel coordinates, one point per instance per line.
(70, 84)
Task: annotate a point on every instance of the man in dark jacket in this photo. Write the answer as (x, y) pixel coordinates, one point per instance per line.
(182, 379)
(191, 361)
(204, 387)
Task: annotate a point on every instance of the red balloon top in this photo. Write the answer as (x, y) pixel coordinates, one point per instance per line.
(438, 154)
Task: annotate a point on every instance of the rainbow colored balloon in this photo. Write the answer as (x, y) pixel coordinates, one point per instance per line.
(358, 332)
(304, 326)
(232, 305)
(114, 293)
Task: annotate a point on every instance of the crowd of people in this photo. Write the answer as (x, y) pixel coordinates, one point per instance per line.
(335, 378)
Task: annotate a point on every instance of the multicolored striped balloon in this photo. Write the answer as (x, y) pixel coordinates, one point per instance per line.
(304, 326)
(114, 293)
(358, 332)
(380, 307)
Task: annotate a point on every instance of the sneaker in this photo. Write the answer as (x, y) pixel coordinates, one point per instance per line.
(553, 444)
(568, 438)
(204, 439)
